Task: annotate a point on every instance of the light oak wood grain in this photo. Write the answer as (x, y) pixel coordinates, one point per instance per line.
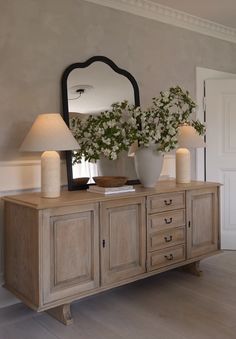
(62, 313)
(73, 198)
(166, 257)
(163, 221)
(123, 233)
(70, 252)
(22, 271)
(165, 202)
(166, 238)
(202, 221)
(82, 244)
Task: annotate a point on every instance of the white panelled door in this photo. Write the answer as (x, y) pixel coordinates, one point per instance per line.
(221, 151)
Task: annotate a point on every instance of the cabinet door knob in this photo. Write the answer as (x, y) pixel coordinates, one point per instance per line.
(168, 239)
(169, 257)
(167, 203)
(168, 221)
(103, 243)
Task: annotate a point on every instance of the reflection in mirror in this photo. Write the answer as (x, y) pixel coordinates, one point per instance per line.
(88, 89)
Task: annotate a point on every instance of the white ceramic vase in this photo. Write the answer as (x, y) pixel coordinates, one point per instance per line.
(148, 165)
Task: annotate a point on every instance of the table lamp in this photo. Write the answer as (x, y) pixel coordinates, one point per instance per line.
(49, 134)
(187, 138)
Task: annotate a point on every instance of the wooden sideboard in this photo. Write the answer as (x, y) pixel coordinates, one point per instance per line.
(61, 250)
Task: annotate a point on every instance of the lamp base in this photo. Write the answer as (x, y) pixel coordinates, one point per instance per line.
(50, 175)
(183, 166)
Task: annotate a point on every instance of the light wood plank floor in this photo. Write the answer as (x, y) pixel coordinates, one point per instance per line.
(172, 305)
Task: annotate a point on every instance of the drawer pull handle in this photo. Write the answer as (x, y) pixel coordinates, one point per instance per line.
(169, 257)
(168, 239)
(168, 221)
(168, 203)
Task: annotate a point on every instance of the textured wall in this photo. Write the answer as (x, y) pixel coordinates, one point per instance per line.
(38, 39)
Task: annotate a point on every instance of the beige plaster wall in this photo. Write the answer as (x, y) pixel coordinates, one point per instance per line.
(38, 39)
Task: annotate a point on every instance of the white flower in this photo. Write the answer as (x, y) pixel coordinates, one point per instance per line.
(111, 123)
(113, 156)
(106, 152)
(90, 151)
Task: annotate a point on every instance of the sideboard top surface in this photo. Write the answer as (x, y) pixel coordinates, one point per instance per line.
(69, 198)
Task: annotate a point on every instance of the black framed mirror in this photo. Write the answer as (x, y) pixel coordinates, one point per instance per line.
(91, 87)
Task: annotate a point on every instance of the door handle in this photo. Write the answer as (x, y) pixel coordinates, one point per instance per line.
(167, 203)
(169, 257)
(168, 239)
(168, 221)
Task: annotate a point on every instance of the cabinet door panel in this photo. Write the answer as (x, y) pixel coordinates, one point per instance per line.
(124, 239)
(71, 239)
(202, 217)
(70, 255)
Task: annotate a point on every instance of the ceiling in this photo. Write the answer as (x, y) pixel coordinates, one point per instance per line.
(220, 11)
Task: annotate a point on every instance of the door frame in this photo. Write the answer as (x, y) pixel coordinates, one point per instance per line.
(203, 74)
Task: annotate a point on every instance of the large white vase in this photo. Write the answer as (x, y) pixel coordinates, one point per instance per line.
(148, 165)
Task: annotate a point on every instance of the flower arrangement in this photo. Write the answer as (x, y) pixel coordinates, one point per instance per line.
(116, 130)
(104, 134)
(159, 123)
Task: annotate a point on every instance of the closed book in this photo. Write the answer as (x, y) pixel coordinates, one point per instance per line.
(111, 192)
(96, 188)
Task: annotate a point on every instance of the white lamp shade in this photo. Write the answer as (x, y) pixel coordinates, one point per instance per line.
(49, 132)
(189, 138)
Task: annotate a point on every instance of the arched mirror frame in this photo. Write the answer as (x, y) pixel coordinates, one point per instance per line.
(71, 182)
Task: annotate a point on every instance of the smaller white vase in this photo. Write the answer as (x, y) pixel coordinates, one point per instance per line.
(148, 165)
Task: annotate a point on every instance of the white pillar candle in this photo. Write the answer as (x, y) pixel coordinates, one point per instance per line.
(183, 166)
(50, 174)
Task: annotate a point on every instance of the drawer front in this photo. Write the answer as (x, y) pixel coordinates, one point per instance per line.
(167, 238)
(166, 202)
(162, 221)
(162, 258)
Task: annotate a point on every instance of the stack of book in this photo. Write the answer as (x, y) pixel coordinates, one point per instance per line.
(111, 190)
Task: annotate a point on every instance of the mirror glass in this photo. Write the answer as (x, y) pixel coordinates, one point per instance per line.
(88, 89)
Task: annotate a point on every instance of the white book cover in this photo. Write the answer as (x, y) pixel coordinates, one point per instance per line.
(111, 192)
(96, 188)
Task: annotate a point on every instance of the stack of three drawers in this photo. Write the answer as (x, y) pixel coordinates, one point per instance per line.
(166, 232)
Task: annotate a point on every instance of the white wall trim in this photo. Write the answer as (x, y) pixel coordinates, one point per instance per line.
(158, 12)
(19, 163)
(23, 175)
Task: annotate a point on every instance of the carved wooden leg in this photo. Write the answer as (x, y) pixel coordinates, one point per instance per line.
(62, 313)
(193, 268)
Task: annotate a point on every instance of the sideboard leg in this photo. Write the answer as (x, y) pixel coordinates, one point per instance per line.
(62, 313)
(193, 268)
